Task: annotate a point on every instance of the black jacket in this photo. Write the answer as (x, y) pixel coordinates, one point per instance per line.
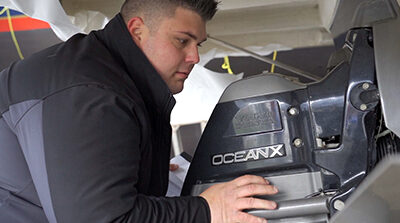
(85, 136)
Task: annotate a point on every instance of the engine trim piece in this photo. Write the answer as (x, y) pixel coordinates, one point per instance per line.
(376, 199)
(295, 208)
(289, 187)
(261, 85)
(387, 54)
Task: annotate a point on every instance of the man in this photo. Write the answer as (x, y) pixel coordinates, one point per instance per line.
(84, 127)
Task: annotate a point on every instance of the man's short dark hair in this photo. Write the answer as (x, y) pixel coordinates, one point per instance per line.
(131, 8)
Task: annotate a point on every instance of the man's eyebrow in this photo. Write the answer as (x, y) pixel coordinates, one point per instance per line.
(203, 41)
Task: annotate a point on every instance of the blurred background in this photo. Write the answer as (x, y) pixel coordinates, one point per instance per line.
(295, 32)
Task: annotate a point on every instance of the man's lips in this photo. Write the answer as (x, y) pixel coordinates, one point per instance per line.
(183, 74)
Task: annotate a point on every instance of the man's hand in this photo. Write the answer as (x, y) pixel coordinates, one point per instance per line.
(227, 200)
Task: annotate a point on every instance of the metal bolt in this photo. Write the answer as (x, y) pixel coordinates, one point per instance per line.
(354, 37)
(365, 86)
(293, 111)
(338, 205)
(298, 142)
(363, 107)
(320, 143)
(326, 172)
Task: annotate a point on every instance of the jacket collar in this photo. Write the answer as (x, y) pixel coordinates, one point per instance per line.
(151, 86)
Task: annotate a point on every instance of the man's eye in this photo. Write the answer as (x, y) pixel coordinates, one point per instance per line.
(182, 41)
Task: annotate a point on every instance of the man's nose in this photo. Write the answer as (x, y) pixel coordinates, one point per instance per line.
(192, 55)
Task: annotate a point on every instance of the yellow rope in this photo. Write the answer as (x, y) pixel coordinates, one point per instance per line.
(12, 32)
(226, 65)
(273, 58)
(3, 10)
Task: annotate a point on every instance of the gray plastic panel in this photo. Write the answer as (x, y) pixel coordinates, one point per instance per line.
(322, 218)
(294, 208)
(263, 84)
(293, 202)
(377, 199)
(387, 56)
(361, 13)
(288, 185)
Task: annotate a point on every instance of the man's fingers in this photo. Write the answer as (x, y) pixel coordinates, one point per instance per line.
(255, 203)
(228, 200)
(256, 189)
(249, 179)
(248, 218)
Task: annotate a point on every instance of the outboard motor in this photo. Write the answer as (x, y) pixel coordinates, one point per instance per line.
(314, 142)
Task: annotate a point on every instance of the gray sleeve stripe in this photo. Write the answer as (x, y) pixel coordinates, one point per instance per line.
(30, 135)
(14, 175)
(16, 210)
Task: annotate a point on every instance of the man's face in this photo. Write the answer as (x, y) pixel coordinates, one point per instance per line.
(172, 47)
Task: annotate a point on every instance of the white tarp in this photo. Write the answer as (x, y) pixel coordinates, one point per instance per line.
(47, 10)
(201, 93)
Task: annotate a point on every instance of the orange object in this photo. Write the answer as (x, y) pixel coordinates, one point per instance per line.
(22, 24)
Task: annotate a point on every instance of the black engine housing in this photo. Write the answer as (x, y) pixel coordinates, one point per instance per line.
(310, 140)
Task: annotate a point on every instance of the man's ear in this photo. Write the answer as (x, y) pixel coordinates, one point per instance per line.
(137, 29)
